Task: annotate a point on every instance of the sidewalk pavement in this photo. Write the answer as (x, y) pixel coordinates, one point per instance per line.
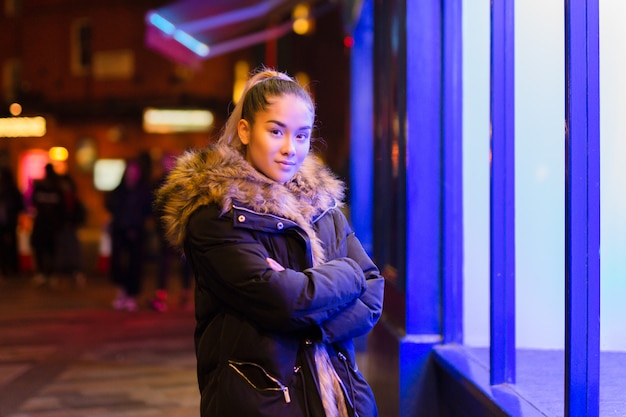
(64, 352)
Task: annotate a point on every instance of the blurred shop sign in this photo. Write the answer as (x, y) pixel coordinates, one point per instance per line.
(20, 127)
(176, 120)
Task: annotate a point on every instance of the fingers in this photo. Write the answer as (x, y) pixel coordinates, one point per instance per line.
(274, 265)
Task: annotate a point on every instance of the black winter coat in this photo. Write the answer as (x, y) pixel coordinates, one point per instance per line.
(256, 327)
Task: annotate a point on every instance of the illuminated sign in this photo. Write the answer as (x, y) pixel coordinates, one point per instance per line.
(170, 121)
(22, 127)
(108, 173)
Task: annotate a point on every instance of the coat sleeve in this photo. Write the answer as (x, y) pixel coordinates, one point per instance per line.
(361, 316)
(231, 264)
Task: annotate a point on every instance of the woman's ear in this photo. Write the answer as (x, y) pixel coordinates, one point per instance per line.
(243, 130)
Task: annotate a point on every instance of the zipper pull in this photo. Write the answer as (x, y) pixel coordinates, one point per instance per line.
(343, 358)
(286, 394)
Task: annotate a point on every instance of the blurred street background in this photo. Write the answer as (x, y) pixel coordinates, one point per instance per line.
(65, 352)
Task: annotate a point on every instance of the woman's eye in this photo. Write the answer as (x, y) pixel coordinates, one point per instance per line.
(276, 132)
(302, 137)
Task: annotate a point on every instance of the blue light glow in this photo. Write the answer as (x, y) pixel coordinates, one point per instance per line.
(180, 36)
(162, 24)
(191, 43)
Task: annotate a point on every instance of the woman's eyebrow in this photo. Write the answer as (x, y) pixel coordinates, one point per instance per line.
(283, 125)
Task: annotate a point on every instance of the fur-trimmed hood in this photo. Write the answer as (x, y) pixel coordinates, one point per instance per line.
(220, 175)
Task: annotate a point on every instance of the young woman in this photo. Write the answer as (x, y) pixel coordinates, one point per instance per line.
(282, 283)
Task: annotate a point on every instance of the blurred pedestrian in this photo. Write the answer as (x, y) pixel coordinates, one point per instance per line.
(11, 204)
(169, 257)
(130, 206)
(49, 212)
(69, 249)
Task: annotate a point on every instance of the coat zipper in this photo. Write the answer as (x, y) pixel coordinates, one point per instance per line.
(350, 397)
(282, 387)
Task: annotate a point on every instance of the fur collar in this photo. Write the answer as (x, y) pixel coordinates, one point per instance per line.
(220, 175)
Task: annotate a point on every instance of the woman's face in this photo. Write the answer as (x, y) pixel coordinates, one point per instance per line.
(278, 141)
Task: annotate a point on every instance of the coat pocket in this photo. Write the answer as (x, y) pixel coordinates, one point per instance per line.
(248, 389)
(259, 379)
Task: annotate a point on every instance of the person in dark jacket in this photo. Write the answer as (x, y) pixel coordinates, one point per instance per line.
(130, 206)
(11, 205)
(283, 285)
(47, 201)
(69, 248)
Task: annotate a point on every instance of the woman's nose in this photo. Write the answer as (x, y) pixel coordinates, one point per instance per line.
(289, 147)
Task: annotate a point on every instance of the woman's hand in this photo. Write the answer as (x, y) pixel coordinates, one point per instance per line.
(274, 265)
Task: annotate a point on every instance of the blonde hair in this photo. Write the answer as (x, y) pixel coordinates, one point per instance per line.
(261, 86)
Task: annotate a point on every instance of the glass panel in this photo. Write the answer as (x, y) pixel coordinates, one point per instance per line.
(539, 147)
(476, 23)
(612, 174)
(389, 143)
(540, 201)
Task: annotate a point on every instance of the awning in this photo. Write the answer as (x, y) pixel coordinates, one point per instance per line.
(189, 31)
